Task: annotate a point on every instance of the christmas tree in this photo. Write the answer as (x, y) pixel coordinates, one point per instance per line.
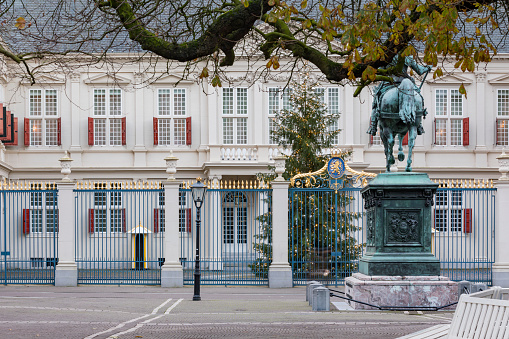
(320, 240)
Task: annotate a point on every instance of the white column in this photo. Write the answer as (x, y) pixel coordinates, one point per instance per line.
(171, 272)
(280, 271)
(66, 272)
(478, 122)
(500, 272)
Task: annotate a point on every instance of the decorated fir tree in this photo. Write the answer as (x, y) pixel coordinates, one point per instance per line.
(320, 241)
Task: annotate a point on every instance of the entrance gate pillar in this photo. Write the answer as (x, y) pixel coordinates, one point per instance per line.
(66, 271)
(500, 271)
(280, 271)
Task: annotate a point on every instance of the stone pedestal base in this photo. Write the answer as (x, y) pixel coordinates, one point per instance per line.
(280, 276)
(172, 275)
(433, 291)
(66, 274)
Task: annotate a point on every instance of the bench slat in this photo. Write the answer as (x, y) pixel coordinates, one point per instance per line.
(435, 332)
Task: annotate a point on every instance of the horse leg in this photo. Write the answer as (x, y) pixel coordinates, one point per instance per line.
(390, 146)
(401, 155)
(412, 134)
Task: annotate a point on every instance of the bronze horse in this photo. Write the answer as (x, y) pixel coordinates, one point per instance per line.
(401, 112)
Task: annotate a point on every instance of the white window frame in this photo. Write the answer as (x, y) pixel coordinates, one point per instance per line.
(167, 123)
(108, 119)
(43, 119)
(113, 202)
(449, 119)
(278, 99)
(235, 118)
(502, 121)
(44, 202)
(327, 100)
(448, 207)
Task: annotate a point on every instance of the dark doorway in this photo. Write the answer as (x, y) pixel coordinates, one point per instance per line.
(140, 251)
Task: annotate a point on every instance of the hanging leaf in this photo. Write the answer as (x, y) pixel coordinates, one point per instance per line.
(462, 90)
(204, 73)
(20, 23)
(216, 82)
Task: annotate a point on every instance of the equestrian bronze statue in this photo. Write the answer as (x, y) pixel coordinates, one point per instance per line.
(398, 109)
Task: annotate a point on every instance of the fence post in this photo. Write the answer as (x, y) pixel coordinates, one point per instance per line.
(171, 271)
(280, 271)
(66, 271)
(500, 272)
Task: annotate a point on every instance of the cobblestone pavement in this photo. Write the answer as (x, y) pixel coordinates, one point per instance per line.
(224, 312)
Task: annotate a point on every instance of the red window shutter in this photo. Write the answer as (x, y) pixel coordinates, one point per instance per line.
(188, 220)
(14, 141)
(59, 131)
(124, 229)
(3, 116)
(156, 132)
(91, 131)
(27, 131)
(405, 139)
(91, 221)
(466, 132)
(156, 220)
(26, 221)
(189, 139)
(123, 131)
(370, 139)
(467, 220)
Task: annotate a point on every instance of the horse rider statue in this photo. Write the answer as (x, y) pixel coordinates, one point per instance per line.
(385, 86)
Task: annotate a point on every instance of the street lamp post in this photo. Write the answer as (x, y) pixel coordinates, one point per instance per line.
(198, 192)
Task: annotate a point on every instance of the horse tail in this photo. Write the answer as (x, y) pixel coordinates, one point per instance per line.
(406, 101)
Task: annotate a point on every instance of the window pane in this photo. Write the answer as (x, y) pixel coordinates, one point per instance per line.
(35, 132)
(441, 132)
(99, 132)
(456, 220)
(441, 198)
(334, 126)
(36, 220)
(179, 131)
(228, 131)
(503, 102)
(228, 225)
(182, 220)
(503, 132)
(227, 100)
(51, 132)
(35, 102)
(115, 132)
(333, 100)
(441, 220)
(376, 140)
(456, 102)
(456, 132)
(456, 198)
(162, 225)
(100, 220)
(241, 225)
(241, 100)
(51, 220)
(272, 128)
(51, 198)
(320, 94)
(116, 220)
(164, 98)
(99, 102)
(115, 198)
(287, 104)
(115, 102)
(179, 101)
(273, 100)
(441, 102)
(51, 102)
(164, 131)
(241, 131)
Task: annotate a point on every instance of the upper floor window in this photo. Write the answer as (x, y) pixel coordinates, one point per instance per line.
(172, 125)
(107, 127)
(235, 103)
(451, 128)
(330, 97)
(502, 117)
(43, 124)
(279, 99)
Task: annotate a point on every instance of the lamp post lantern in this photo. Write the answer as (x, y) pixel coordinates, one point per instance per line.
(198, 192)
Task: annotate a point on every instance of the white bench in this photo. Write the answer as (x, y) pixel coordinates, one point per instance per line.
(480, 315)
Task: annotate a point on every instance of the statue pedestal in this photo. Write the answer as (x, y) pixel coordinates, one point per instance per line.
(433, 291)
(398, 268)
